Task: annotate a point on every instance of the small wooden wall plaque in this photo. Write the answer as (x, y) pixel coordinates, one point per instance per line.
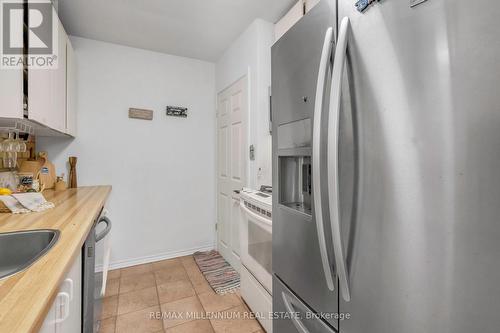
(140, 114)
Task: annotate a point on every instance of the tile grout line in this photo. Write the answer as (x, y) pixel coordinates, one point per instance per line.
(131, 291)
(163, 328)
(136, 310)
(190, 278)
(118, 301)
(197, 295)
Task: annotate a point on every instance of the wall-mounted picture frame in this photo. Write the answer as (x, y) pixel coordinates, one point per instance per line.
(177, 111)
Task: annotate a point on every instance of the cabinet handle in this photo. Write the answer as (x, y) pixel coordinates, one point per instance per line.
(62, 312)
(69, 282)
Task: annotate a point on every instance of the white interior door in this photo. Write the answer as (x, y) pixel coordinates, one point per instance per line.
(232, 165)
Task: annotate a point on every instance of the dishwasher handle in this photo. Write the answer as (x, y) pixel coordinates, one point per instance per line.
(103, 219)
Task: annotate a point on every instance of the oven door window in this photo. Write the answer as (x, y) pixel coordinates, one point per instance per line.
(260, 245)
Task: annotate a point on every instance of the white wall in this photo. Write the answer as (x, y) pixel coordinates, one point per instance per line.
(162, 171)
(250, 55)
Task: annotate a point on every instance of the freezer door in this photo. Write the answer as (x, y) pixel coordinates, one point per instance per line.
(423, 251)
(295, 61)
(299, 259)
(292, 315)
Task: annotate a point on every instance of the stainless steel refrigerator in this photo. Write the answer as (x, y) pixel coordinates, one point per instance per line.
(386, 168)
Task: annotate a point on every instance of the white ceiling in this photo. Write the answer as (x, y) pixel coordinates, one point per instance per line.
(200, 29)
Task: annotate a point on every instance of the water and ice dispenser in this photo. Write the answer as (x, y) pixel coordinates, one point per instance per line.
(295, 182)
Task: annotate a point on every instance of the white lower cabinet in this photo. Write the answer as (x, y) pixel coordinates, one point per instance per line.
(65, 315)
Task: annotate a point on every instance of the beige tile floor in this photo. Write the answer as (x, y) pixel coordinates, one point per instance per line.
(136, 295)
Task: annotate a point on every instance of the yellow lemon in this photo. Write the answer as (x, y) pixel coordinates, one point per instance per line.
(5, 191)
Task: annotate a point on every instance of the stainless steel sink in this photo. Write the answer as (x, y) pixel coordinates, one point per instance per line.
(18, 250)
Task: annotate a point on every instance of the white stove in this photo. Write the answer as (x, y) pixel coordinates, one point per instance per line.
(259, 202)
(256, 253)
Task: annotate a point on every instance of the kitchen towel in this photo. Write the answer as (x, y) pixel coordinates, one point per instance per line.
(33, 201)
(13, 205)
(26, 202)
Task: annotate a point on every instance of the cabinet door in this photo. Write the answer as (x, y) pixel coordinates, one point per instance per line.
(65, 315)
(70, 90)
(47, 88)
(310, 4)
(11, 93)
(287, 21)
(49, 325)
(40, 95)
(72, 286)
(58, 117)
(11, 85)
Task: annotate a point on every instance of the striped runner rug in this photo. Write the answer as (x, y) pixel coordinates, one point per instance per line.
(219, 274)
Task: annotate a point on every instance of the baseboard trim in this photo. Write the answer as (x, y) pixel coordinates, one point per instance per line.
(156, 257)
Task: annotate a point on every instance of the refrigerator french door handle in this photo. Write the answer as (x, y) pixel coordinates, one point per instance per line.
(299, 325)
(333, 155)
(316, 170)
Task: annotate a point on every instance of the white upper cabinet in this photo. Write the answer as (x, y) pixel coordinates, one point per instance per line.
(11, 84)
(301, 8)
(51, 93)
(11, 93)
(290, 18)
(47, 88)
(59, 81)
(310, 4)
(70, 90)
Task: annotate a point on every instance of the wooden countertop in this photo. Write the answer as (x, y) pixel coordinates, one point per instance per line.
(26, 297)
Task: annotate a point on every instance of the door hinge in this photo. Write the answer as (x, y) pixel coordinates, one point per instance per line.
(90, 252)
(216, 226)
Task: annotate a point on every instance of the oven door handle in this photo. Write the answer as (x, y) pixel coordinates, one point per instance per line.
(103, 219)
(264, 223)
